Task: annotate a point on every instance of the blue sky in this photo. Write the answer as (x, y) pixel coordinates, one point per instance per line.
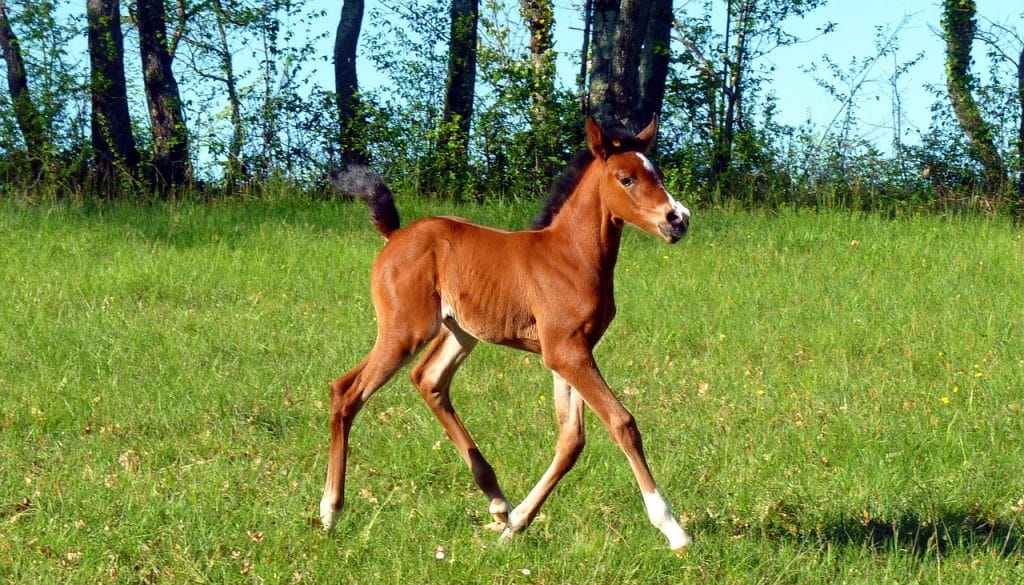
(855, 36)
(799, 97)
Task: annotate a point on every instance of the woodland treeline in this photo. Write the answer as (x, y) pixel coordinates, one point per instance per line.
(161, 98)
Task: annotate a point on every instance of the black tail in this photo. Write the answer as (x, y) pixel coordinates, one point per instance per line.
(359, 181)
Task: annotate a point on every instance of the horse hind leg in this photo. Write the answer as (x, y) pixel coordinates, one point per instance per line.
(432, 376)
(348, 395)
(569, 408)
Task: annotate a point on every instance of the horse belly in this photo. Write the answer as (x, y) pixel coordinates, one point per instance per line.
(493, 324)
(483, 286)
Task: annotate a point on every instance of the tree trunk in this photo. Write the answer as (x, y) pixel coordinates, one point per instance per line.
(732, 94)
(171, 163)
(1020, 133)
(235, 169)
(654, 61)
(460, 86)
(350, 119)
(604, 16)
(453, 139)
(540, 18)
(112, 140)
(25, 112)
(620, 28)
(588, 23)
(958, 29)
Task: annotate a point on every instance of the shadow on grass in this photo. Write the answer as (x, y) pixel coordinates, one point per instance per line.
(190, 225)
(911, 532)
(918, 535)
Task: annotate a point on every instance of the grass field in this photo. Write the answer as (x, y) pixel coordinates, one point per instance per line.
(825, 398)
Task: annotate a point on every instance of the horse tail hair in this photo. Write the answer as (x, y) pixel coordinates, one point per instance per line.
(359, 181)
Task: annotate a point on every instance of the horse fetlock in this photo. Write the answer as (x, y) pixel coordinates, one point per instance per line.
(515, 524)
(328, 512)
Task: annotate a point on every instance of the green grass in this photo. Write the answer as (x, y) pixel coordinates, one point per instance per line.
(825, 397)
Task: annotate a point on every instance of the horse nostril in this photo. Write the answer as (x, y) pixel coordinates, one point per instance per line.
(672, 218)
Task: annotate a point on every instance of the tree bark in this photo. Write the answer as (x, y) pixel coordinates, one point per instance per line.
(460, 87)
(958, 29)
(346, 83)
(112, 140)
(1020, 133)
(171, 161)
(654, 61)
(588, 22)
(731, 111)
(604, 16)
(620, 28)
(540, 18)
(25, 112)
(461, 82)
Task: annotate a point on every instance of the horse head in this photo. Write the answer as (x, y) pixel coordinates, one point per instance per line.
(631, 186)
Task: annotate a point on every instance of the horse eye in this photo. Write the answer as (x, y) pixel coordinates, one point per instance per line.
(627, 181)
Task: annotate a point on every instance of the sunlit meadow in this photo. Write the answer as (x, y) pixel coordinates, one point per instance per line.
(825, 397)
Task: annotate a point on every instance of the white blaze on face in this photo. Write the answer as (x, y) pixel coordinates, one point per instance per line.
(678, 207)
(647, 163)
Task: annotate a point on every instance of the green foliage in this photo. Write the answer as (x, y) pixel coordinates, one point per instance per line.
(506, 144)
(525, 125)
(959, 28)
(519, 136)
(830, 162)
(56, 82)
(406, 43)
(824, 397)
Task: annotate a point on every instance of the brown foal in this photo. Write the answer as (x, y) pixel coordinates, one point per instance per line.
(442, 283)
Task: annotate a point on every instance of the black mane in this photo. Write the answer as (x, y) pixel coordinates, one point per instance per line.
(562, 188)
(618, 139)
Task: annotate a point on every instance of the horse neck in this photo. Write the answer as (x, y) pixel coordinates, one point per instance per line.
(586, 228)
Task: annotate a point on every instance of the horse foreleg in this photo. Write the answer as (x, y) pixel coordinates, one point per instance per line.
(432, 376)
(569, 411)
(575, 363)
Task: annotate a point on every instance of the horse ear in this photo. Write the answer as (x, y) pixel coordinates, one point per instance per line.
(596, 139)
(647, 135)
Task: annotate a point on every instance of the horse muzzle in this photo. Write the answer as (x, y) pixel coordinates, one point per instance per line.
(675, 226)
